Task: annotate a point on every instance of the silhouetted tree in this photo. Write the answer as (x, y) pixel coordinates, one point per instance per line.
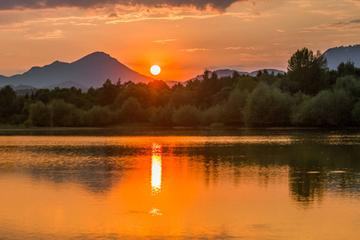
(306, 72)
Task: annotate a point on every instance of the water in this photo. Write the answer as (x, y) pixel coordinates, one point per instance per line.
(269, 185)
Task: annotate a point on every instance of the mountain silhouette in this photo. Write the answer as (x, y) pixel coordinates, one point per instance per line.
(89, 71)
(337, 55)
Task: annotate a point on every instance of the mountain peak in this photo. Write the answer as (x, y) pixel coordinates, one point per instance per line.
(97, 55)
(89, 71)
(337, 55)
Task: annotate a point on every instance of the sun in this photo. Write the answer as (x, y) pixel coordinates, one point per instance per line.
(155, 70)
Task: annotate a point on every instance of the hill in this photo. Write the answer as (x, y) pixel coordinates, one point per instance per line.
(89, 71)
(337, 55)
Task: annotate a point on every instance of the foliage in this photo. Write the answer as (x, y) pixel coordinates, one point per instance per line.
(308, 95)
(268, 106)
(186, 116)
(39, 115)
(328, 108)
(306, 72)
(64, 114)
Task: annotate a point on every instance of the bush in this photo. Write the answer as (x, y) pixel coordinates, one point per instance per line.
(186, 116)
(328, 108)
(131, 111)
(64, 114)
(356, 113)
(212, 115)
(350, 84)
(268, 106)
(39, 115)
(99, 116)
(234, 107)
(161, 116)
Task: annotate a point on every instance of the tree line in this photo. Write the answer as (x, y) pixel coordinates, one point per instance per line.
(308, 95)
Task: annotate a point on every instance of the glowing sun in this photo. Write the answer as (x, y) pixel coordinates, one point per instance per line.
(155, 70)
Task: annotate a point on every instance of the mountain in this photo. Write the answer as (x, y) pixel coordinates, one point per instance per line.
(89, 71)
(337, 55)
(222, 73)
(269, 71)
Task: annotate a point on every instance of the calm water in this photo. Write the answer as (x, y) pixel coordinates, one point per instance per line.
(252, 186)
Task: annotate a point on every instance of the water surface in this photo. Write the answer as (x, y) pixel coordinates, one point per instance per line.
(279, 185)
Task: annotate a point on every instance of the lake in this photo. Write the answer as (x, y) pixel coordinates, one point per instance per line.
(271, 184)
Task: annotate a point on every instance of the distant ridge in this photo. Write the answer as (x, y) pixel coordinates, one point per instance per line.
(337, 55)
(89, 71)
(222, 73)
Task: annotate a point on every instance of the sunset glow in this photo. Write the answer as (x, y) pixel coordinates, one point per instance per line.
(246, 35)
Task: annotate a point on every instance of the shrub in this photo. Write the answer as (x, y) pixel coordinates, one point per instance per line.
(39, 115)
(356, 113)
(234, 107)
(212, 115)
(186, 116)
(267, 106)
(328, 108)
(64, 114)
(162, 116)
(131, 111)
(98, 116)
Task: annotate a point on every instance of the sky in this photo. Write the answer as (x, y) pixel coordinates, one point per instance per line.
(184, 37)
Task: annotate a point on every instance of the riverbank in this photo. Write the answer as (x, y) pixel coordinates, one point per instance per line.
(151, 130)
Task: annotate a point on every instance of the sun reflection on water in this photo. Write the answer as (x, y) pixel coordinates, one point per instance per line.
(156, 168)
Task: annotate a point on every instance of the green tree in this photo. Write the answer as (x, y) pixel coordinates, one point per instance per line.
(99, 116)
(328, 108)
(356, 114)
(186, 116)
(234, 107)
(162, 116)
(213, 115)
(64, 114)
(267, 106)
(307, 72)
(348, 69)
(8, 105)
(132, 111)
(39, 115)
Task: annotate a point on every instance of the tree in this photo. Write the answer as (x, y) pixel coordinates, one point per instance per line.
(213, 115)
(186, 116)
(234, 107)
(7, 103)
(347, 69)
(98, 116)
(356, 113)
(267, 106)
(328, 108)
(131, 111)
(306, 72)
(162, 116)
(64, 114)
(39, 115)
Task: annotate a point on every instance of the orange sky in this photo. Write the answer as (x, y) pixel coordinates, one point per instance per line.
(182, 39)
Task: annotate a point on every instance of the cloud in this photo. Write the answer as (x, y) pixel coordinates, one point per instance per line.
(337, 26)
(240, 48)
(164, 41)
(192, 50)
(37, 4)
(56, 34)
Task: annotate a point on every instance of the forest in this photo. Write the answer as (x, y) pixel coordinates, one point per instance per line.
(308, 95)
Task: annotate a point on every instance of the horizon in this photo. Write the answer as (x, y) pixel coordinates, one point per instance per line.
(173, 34)
(145, 74)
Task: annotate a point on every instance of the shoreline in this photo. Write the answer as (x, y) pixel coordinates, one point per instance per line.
(133, 130)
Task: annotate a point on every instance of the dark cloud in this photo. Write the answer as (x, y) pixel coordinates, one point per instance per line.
(33, 4)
